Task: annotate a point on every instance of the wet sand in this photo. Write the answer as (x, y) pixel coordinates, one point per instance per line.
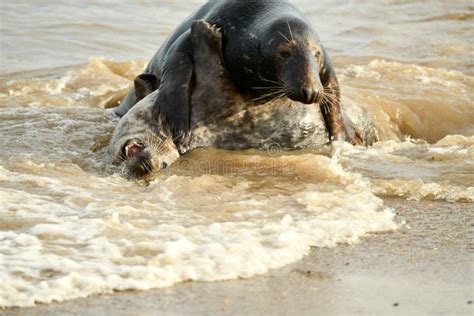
(424, 268)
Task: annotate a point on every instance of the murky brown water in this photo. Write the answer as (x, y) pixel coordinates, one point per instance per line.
(71, 227)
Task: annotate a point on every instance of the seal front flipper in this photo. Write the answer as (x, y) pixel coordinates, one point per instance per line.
(207, 46)
(214, 94)
(173, 100)
(330, 103)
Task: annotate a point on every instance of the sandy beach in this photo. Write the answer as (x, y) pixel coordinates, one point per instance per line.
(424, 268)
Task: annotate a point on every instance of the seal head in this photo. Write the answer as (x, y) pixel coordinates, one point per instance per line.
(141, 144)
(290, 63)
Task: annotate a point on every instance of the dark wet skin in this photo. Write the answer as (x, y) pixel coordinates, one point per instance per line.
(269, 50)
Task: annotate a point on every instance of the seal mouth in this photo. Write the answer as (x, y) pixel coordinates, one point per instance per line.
(137, 160)
(132, 148)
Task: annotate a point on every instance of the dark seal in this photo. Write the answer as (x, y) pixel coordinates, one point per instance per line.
(142, 142)
(270, 51)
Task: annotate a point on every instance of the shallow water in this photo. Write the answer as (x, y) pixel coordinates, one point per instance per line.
(71, 227)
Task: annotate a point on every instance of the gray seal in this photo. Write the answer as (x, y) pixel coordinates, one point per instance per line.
(270, 51)
(220, 116)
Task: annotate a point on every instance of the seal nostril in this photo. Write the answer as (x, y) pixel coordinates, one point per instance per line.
(141, 165)
(308, 95)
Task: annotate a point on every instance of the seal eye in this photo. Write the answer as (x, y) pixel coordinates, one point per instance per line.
(285, 54)
(318, 54)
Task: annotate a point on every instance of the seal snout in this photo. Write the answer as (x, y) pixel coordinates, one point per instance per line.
(141, 165)
(138, 159)
(308, 95)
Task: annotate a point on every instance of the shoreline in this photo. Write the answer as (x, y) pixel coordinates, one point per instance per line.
(424, 267)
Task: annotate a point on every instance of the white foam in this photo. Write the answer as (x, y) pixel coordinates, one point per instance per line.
(71, 251)
(406, 169)
(378, 69)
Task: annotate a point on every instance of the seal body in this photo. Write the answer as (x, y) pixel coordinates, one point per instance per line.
(220, 116)
(269, 50)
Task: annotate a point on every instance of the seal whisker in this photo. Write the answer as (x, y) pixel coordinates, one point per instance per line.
(128, 162)
(326, 98)
(330, 98)
(153, 147)
(267, 88)
(129, 174)
(268, 94)
(153, 141)
(277, 92)
(123, 157)
(325, 106)
(161, 146)
(289, 29)
(127, 170)
(328, 90)
(284, 37)
(278, 96)
(283, 94)
(327, 94)
(157, 145)
(271, 81)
